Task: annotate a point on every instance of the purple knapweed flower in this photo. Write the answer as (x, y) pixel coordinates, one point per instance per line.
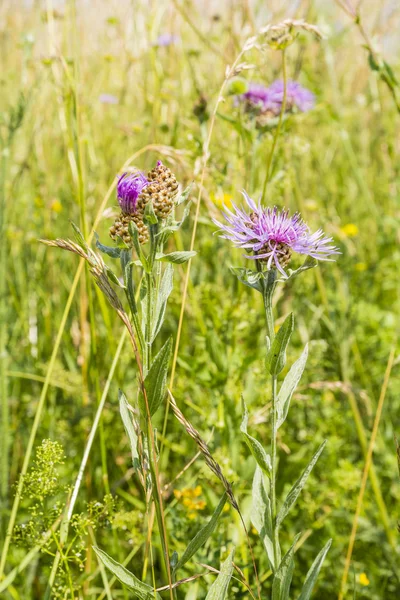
(272, 235)
(296, 96)
(257, 96)
(108, 99)
(129, 188)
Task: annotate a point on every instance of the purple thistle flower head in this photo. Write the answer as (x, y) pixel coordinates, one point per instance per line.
(296, 96)
(272, 235)
(257, 96)
(129, 188)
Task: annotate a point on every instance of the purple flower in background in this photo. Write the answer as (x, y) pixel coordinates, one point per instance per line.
(296, 96)
(272, 235)
(166, 39)
(108, 99)
(257, 96)
(129, 188)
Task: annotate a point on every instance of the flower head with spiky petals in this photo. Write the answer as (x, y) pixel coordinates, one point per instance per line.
(272, 235)
(257, 97)
(296, 96)
(129, 188)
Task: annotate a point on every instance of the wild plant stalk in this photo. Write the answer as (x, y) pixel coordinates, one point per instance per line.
(269, 237)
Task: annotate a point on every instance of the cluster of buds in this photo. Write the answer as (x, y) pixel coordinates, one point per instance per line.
(134, 192)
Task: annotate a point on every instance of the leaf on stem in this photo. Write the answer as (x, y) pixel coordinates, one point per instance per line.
(288, 386)
(261, 514)
(126, 416)
(202, 536)
(177, 258)
(219, 589)
(252, 279)
(284, 574)
(313, 573)
(140, 590)
(297, 487)
(185, 195)
(276, 358)
(156, 379)
(162, 299)
(263, 459)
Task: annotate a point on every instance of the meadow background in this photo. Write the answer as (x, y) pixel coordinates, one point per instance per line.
(338, 164)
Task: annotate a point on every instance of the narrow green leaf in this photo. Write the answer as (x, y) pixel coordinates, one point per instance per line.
(127, 270)
(297, 487)
(112, 251)
(219, 589)
(177, 257)
(79, 237)
(202, 536)
(162, 299)
(284, 574)
(263, 459)
(150, 217)
(288, 386)
(261, 514)
(309, 263)
(140, 590)
(185, 195)
(175, 225)
(126, 416)
(276, 358)
(156, 378)
(252, 279)
(313, 573)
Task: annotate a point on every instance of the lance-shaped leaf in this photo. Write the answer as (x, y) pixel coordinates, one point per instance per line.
(138, 588)
(263, 459)
(297, 487)
(261, 514)
(252, 279)
(288, 386)
(127, 270)
(276, 358)
(309, 263)
(283, 575)
(112, 251)
(156, 379)
(167, 283)
(313, 573)
(126, 416)
(184, 196)
(149, 217)
(177, 258)
(202, 536)
(219, 589)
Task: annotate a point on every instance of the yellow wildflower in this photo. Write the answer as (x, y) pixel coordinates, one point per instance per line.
(360, 267)
(221, 199)
(363, 579)
(349, 230)
(56, 206)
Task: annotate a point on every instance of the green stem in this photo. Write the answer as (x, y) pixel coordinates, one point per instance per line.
(268, 291)
(273, 470)
(278, 128)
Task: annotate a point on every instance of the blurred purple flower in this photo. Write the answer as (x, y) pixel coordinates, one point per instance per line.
(108, 99)
(129, 188)
(166, 39)
(257, 96)
(296, 96)
(272, 235)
